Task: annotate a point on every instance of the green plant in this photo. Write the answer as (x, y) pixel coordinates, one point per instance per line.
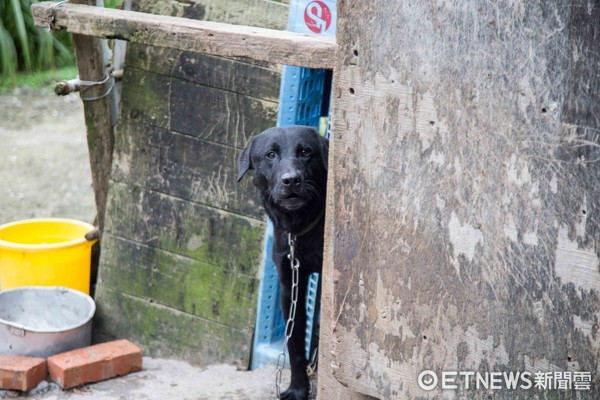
(39, 80)
(112, 3)
(25, 47)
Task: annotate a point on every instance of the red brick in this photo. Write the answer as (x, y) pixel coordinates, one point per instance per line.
(21, 373)
(95, 363)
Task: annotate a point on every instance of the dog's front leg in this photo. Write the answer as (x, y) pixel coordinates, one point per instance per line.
(299, 386)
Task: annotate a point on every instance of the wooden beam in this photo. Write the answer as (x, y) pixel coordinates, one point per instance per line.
(280, 47)
(93, 64)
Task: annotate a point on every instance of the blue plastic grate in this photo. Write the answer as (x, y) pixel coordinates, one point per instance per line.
(303, 96)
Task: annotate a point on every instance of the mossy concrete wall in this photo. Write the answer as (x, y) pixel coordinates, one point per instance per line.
(182, 243)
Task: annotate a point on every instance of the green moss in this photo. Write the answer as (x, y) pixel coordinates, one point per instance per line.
(179, 282)
(227, 241)
(163, 331)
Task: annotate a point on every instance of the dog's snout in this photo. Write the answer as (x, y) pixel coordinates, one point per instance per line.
(291, 179)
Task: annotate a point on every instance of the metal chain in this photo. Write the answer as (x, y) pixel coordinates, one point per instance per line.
(289, 325)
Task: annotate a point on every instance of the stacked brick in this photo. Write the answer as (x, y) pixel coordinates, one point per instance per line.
(73, 368)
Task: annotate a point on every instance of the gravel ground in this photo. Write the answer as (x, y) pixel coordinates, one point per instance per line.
(167, 380)
(44, 164)
(44, 172)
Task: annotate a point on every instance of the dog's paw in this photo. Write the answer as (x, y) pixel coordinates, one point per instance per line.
(294, 393)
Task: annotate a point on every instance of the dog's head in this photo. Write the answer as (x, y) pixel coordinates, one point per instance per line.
(290, 166)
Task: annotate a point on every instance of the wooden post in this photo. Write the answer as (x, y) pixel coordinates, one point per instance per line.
(93, 62)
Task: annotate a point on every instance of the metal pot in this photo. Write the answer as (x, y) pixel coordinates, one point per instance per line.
(40, 321)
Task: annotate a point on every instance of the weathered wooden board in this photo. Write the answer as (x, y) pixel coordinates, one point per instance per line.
(179, 271)
(263, 13)
(182, 283)
(466, 204)
(274, 46)
(219, 116)
(183, 166)
(248, 79)
(223, 239)
(166, 332)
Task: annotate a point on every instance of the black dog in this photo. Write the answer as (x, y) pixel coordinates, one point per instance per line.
(290, 167)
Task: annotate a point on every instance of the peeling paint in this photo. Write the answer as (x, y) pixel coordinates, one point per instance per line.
(464, 238)
(583, 216)
(586, 327)
(481, 348)
(426, 117)
(541, 364)
(510, 229)
(554, 184)
(530, 238)
(437, 158)
(575, 265)
(517, 171)
(194, 243)
(440, 202)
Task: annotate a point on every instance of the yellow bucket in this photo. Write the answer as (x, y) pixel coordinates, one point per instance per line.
(45, 252)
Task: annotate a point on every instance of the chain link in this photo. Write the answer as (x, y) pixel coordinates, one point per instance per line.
(289, 324)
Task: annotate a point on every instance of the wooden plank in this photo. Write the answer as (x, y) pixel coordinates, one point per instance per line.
(328, 386)
(92, 57)
(228, 241)
(165, 332)
(263, 13)
(183, 166)
(281, 47)
(119, 53)
(240, 77)
(183, 241)
(465, 156)
(182, 283)
(200, 111)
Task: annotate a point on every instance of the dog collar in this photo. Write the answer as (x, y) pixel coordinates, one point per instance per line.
(311, 226)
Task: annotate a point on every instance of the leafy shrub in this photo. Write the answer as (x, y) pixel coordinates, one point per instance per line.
(25, 47)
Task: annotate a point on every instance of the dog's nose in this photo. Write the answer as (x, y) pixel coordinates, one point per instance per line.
(291, 179)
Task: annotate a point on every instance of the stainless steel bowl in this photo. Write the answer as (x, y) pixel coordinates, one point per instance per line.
(40, 321)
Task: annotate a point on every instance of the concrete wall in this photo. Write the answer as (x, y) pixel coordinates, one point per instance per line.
(465, 198)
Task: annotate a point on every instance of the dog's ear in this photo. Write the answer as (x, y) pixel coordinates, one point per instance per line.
(245, 161)
(324, 147)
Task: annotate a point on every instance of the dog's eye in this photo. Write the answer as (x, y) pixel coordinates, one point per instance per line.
(305, 152)
(271, 155)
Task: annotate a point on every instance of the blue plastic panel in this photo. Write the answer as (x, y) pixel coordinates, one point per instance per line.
(269, 330)
(301, 96)
(301, 100)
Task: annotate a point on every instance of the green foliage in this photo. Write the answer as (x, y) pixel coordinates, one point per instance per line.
(44, 79)
(112, 3)
(24, 47)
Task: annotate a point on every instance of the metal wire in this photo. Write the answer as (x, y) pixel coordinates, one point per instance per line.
(51, 17)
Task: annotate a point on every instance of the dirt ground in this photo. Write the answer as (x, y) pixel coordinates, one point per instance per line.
(44, 172)
(44, 167)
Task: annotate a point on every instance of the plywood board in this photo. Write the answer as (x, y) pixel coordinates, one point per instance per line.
(464, 173)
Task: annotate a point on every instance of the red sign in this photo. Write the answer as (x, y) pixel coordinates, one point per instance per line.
(317, 16)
